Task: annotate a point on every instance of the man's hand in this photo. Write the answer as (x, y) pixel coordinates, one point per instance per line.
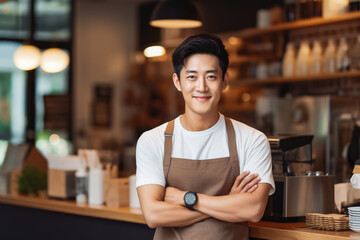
(174, 196)
(243, 185)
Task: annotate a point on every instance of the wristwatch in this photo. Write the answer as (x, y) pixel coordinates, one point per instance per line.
(190, 199)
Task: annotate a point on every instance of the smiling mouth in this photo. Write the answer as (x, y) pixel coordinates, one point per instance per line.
(202, 98)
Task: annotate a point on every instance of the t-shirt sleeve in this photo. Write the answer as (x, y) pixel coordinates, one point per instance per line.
(258, 159)
(149, 160)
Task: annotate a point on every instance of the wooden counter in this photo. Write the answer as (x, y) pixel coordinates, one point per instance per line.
(127, 214)
(263, 230)
(278, 231)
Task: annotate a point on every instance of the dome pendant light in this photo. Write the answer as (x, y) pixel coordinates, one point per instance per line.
(54, 60)
(27, 57)
(154, 51)
(175, 14)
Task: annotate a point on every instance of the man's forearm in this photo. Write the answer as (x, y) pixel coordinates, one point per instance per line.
(237, 207)
(159, 213)
(163, 214)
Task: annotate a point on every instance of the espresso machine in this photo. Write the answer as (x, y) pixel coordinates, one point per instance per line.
(299, 189)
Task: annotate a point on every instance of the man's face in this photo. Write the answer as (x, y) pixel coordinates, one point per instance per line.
(201, 83)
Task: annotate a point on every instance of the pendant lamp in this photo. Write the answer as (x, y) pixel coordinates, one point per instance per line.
(27, 57)
(175, 14)
(54, 60)
(154, 51)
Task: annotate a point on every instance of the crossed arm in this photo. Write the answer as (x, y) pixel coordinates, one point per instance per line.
(165, 207)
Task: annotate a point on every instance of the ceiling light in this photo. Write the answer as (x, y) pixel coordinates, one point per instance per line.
(54, 139)
(27, 57)
(54, 60)
(233, 40)
(175, 14)
(154, 51)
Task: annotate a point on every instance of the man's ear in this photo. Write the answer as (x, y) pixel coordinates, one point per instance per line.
(225, 81)
(176, 81)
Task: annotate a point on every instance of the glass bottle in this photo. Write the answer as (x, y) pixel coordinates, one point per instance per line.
(354, 55)
(304, 13)
(290, 10)
(354, 5)
(309, 7)
(81, 181)
(329, 57)
(317, 8)
(288, 63)
(262, 70)
(302, 60)
(276, 13)
(316, 58)
(342, 58)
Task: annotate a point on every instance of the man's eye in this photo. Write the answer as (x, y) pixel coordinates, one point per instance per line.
(211, 77)
(191, 77)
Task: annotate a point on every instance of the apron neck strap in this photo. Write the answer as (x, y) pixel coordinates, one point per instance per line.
(168, 146)
(234, 158)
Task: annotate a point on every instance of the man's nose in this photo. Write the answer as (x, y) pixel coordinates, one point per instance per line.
(201, 84)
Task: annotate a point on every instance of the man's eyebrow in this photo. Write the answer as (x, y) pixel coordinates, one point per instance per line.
(212, 71)
(208, 71)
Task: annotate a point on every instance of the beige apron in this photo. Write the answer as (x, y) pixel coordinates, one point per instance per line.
(212, 177)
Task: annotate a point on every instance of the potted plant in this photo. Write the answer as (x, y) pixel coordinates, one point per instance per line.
(32, 181)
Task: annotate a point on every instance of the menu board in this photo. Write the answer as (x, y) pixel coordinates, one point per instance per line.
(101, 106)
(57, 111)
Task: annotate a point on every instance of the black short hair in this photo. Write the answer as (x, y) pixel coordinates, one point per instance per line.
(200, 44)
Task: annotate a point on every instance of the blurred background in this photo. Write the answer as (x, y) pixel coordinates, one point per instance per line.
(89, 85)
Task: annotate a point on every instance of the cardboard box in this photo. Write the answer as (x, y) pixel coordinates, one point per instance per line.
(61, 183)
(117, 192)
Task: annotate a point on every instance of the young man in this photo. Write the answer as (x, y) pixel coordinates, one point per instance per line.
(193, 173)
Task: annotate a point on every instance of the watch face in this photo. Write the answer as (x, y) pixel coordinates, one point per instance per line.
(190, 198)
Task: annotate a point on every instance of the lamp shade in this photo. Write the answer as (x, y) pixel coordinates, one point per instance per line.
(175, 14)
(154, 51)
(54, 60)
(27, 57)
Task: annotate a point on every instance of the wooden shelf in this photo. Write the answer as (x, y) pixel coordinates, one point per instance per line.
(306, 23)
(279, 80)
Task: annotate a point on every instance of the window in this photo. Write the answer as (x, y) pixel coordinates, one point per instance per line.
(52, 19)
(12, 96)
(15, 19)
(45, 24)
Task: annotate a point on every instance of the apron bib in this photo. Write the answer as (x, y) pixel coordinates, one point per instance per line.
(213, 177)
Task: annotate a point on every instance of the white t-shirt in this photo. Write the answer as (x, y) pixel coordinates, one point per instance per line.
(252, 146)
